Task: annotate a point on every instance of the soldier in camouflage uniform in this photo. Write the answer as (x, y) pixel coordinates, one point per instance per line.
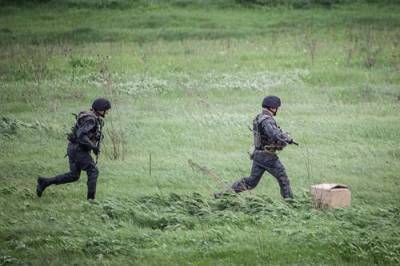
(84, 138)
(268, 139)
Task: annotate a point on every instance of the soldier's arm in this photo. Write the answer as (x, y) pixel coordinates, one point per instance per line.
(83, 131)
(275, 133)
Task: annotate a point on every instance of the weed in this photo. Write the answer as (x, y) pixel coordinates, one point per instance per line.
(311, 41)
(115, 131)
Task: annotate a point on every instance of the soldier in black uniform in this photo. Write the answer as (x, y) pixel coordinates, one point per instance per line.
(84, 138)
(268, 139)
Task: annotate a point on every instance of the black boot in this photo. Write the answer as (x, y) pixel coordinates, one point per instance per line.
(286, 192)
(42, 184)
(91, 195)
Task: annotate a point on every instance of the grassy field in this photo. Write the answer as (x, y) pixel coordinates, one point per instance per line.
(186, 81)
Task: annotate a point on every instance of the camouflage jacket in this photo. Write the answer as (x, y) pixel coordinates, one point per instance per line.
(267, 134)
(87, 130)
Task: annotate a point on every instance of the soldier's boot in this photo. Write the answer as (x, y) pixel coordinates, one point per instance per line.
(286, 192)
(285, 188)
(240, 186)
(91, 195)
(42, 184)
(92, 173)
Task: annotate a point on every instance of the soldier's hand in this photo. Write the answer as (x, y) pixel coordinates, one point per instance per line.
(288, 138)
(96, 151)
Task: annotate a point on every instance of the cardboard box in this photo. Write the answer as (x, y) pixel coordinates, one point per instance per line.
(331, 195)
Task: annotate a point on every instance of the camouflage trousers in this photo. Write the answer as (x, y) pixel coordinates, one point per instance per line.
(265, 162)
(79, 159)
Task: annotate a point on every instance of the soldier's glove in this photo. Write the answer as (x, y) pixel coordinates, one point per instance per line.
(289, 139)
(96, 150)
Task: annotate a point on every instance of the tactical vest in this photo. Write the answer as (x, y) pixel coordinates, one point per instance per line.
(260, 139)
(94, 134)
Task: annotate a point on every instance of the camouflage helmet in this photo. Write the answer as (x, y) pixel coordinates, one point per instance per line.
(271, 102)
(101, 104)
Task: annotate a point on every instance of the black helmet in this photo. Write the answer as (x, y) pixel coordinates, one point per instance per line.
(271, 102)
(101, 104)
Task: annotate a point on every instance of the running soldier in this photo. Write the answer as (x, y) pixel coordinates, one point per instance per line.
(85, 137)
(268, 139)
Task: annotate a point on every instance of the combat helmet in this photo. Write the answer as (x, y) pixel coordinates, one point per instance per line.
(101, 104)
(271, 102)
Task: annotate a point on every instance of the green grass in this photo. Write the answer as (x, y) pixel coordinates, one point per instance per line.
(186, 82)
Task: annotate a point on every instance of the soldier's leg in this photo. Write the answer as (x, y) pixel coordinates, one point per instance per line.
(71, 176)
(276, 169)
(74, 169)
(87, 164)
(250, 182)
(92, 174)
